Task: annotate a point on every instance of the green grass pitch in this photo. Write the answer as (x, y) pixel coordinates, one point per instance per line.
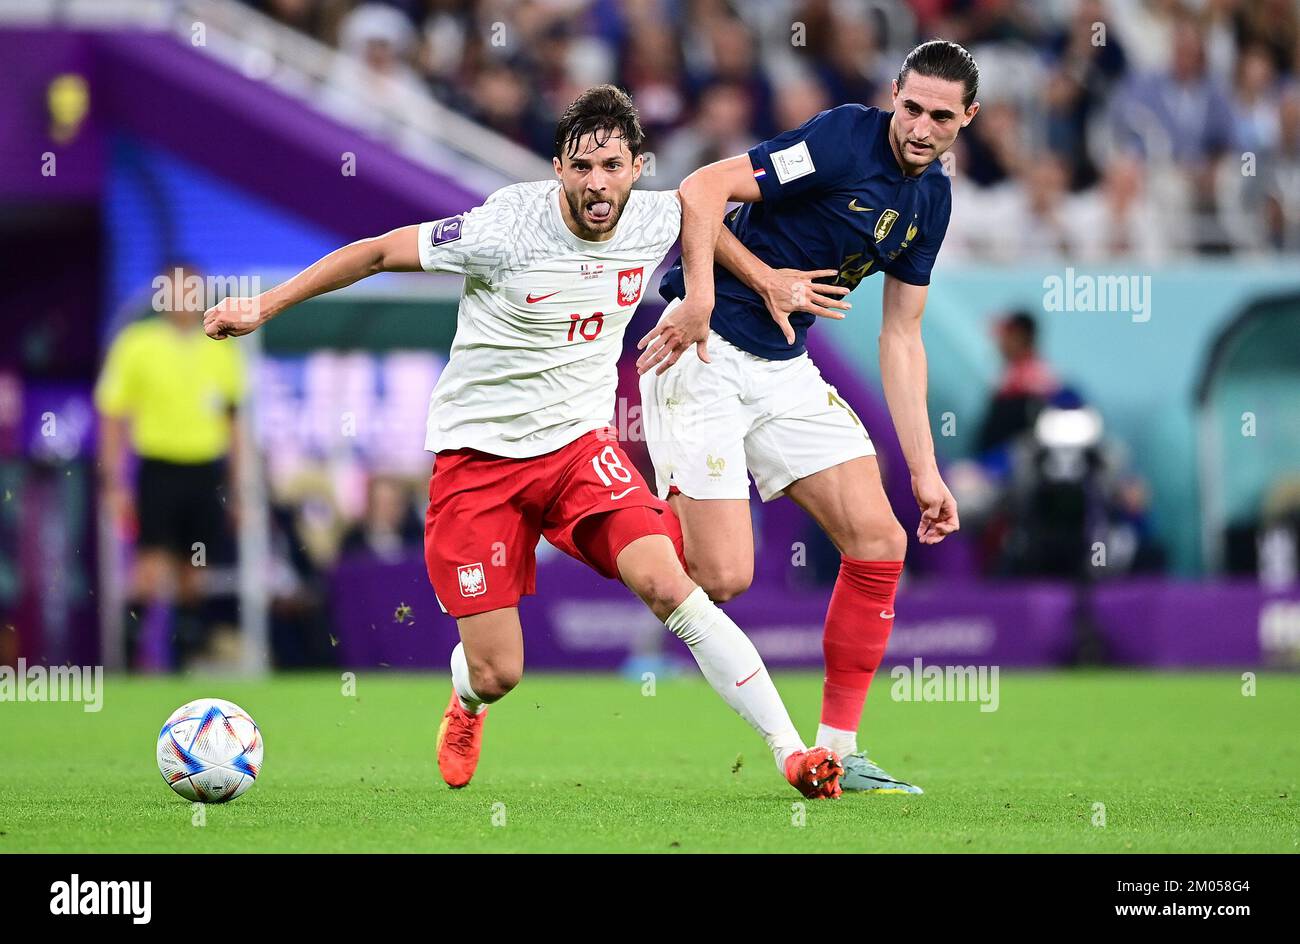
(589, 763)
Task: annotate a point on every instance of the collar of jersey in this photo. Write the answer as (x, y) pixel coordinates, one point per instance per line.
(554, 196)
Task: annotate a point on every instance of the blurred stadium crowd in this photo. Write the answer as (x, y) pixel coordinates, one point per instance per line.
(1141, 129)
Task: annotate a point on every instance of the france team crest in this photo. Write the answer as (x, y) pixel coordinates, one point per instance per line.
(885, 223)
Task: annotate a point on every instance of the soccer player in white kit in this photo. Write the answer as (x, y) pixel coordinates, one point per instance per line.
(519, 422)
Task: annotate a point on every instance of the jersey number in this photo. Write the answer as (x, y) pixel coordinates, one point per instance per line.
(589, 327)
(608, 460)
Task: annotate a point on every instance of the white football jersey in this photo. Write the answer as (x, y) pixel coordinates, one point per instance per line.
(542, 314)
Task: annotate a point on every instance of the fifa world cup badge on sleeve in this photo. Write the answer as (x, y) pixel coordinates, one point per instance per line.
(473, 582)
(629, 286)
(793, 162)
(445, 231)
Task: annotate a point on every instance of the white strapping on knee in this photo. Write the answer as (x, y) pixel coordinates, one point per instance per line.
(469, 699)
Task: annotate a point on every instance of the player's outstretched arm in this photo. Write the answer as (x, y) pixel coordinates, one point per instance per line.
(903, 376)
(395, 251)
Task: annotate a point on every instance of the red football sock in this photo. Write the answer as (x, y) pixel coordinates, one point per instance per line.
(858, 622)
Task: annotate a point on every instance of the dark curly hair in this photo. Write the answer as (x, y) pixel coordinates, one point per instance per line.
(605, 110)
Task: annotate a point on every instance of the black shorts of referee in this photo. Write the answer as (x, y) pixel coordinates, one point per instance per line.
(182, 507)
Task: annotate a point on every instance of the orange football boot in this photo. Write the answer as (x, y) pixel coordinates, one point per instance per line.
(460, 738)
(815, 773)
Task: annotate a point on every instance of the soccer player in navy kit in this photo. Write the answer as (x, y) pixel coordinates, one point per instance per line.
(853, 191)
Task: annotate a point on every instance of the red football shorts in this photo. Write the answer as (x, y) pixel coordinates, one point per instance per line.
(487, 513)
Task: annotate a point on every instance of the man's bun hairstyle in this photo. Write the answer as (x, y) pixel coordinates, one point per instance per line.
(941, 59)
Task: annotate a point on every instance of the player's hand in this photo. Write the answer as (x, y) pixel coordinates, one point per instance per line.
(686, 324)
(938, 507)
(233, 317)
(785, 291)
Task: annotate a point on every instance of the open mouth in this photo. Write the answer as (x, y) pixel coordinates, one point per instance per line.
(599, 211)
(917, 148)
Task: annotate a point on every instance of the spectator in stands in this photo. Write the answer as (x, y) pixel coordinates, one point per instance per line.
(446, 29)
(375, 78)
(720, 129)
(730, 59)
(1187, 106)
(800, 97)
(1146, 27)
(850, 68)
(653, 75)
(502, 100)
(1028, 219)
(172, 397)
(1116, 219)
(1272, 24)
(1277, 186)
(1183, 115)
(991, 149)
(1084, 63)
(1257, 98)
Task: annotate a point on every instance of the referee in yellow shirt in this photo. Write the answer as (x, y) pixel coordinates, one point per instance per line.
(173, 395)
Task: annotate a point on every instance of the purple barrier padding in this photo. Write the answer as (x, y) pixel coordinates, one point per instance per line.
(33, 59)
(367, 596)
(580, 621)
(1186, 625)
(154, 86)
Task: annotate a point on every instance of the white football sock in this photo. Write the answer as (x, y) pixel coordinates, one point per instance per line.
(460, 681)
(841, 742)
(735, 670)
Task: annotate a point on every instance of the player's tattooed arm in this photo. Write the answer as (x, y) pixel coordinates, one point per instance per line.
(395, 251)
(903, 376)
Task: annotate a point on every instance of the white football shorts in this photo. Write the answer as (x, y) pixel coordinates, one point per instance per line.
(707, 424)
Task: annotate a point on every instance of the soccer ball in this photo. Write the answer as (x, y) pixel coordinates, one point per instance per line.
(210, 750)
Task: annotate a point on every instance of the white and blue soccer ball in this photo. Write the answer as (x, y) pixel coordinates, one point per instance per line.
(210, 750)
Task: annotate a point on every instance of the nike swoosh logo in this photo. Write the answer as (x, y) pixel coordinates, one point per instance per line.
(749, 676)
(884, 615)
(623, 494)
(532, 299)
(853, 205)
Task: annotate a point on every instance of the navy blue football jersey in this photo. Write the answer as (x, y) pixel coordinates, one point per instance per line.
(834, 197)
